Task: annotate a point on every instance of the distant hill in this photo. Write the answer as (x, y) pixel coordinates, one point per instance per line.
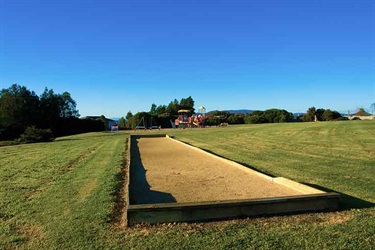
(236, 111)
(240, 111)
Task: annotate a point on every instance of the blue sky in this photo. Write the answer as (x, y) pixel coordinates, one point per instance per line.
(119, 55)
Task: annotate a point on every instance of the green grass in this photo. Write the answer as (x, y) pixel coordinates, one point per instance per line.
(63, 195)
(334, 155)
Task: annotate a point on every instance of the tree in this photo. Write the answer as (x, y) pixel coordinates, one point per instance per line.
(19, 108)
(187, 103)
(269, 116)
(49, 108)
(129, 118)
(122, 123)
(103, 119)
(254, 119)
(153, 109)
(362, 112)
(173, 108)
(330, 115)
(68, 106)
(319, 114)
(161, 110)
(235, 119)
(129, 115)
(310, 115)
(372, 108)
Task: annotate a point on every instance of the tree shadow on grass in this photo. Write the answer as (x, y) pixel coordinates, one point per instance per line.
(66, 139)
(347, 202)
(139, 189)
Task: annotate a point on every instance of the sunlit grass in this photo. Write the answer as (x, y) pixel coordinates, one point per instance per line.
(62, 195)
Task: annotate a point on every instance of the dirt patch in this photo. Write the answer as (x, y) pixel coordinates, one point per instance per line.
(86, 190)
(165, 171)
(337, 218)
(74, 163)
(31, 232)
(119, 210)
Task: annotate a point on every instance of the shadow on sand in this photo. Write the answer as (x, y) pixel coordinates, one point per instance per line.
(139, 188)
(347, 202)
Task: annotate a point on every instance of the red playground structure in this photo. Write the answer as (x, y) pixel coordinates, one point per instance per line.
(186, 120)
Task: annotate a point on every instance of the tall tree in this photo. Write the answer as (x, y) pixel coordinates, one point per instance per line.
(161, 110)
(103, 119)
(153, 109)
(122, 123)
(310, 115)
(49, 108)
(187, 103)
(19, 108)
(319, 114)
(173, 107)
(330, 115)
(68, 106)
(129, 115)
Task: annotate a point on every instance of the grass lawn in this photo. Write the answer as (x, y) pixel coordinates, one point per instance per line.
(64, 194)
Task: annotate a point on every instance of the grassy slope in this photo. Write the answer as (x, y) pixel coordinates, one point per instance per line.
(59, 194)
(334, 155)
(62, 195)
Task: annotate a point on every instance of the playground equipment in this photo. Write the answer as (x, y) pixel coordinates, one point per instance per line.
(151, 124)
(185, 120)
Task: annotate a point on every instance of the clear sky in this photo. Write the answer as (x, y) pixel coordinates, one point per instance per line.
(119, 55)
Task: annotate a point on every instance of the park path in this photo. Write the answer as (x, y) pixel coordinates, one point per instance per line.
(163, 170)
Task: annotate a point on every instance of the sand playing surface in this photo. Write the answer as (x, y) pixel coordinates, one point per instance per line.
(163, 170)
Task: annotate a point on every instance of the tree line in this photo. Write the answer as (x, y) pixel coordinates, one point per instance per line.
(159, 115)
(21, 108)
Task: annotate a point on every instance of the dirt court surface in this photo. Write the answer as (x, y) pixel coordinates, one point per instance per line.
(165, 171)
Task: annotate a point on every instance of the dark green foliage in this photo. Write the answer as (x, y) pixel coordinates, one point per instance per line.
(21, 108)
(330, 115)
(33, 134)
(128, 115)
(187, 103)
(269, 116)
(153, 109)
(236, 119)
(255, 119)
(216, 117)
(104, 121)
(173, 108)
(74, 125)
(310, 115)
(122, 123)
(161, 110)
(321, 115)
(161, 115)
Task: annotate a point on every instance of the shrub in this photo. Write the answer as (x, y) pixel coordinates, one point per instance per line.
(8, 143)
(33, 134)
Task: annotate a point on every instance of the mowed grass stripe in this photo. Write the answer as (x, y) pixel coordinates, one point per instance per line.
(80, 188)
(334, 155)
(62, 195)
